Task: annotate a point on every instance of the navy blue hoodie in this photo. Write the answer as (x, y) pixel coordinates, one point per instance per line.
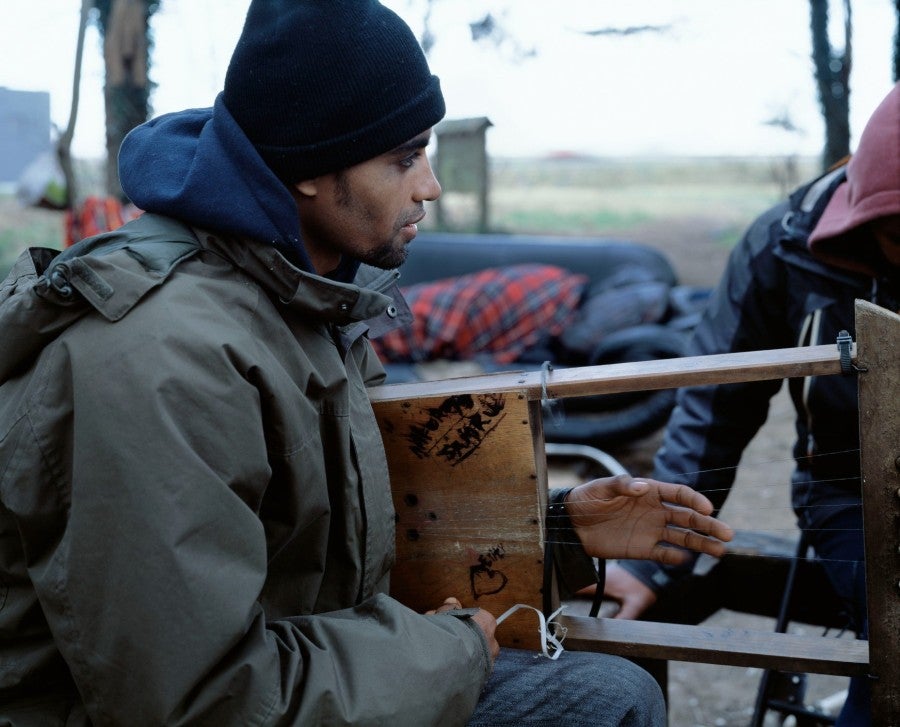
(199, 167)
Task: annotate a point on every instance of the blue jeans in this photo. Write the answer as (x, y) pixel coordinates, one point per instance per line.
(578, 689)
(835, 528)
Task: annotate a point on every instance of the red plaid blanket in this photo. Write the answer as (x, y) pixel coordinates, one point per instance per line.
(496, 313)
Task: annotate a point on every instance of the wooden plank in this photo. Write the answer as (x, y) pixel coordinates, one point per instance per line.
(733, 647)
(878, 336)
(470, 502)
(633, 376)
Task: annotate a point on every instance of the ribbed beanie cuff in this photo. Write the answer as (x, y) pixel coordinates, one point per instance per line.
(321, 85)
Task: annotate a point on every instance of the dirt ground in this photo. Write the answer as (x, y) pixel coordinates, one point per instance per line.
(702, 695)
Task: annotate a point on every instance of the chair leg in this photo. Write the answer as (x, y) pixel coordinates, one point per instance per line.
(659, 670)
(763, 693)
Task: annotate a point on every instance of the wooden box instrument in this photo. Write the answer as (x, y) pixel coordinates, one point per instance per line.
(469, 480)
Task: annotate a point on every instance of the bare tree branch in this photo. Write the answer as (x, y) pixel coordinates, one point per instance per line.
(64, 145)
(629, 30)
(489, 30)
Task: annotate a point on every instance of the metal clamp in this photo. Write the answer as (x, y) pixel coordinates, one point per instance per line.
(844, 342)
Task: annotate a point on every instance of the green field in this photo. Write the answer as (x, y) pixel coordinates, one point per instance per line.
(22, 227)
(610, 196)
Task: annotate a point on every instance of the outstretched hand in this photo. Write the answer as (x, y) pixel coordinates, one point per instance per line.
(625, 517)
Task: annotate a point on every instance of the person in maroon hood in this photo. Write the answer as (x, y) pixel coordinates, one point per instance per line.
(859, 230)
(792, 281)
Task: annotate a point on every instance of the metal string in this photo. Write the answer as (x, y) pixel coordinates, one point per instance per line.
(471, 523)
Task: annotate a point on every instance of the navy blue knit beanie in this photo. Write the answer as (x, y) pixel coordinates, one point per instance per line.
(321, 85)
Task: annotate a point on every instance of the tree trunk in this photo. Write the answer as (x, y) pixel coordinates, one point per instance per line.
(126, 91)
(897, 43)
(832, 71)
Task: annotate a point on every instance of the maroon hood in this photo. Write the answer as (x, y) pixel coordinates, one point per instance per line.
(872, 190)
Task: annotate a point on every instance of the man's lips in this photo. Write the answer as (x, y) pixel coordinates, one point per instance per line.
(413, 224)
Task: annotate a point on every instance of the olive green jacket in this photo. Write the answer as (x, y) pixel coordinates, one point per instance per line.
(195, 519)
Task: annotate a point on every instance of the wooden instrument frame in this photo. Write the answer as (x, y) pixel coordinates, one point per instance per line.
(469, 478)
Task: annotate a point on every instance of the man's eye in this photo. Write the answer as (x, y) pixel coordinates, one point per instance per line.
(410, 160)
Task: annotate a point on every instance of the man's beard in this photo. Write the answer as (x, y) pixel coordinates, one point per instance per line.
(386, 257)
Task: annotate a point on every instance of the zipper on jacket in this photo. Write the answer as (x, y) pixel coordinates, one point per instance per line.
(809, 332)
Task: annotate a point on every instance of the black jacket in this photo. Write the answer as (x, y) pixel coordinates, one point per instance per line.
(773, 294)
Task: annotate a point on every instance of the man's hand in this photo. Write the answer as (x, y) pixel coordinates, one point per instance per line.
(622, 588)
(632, 596)
(485, 621)
(449, 604)
(624, 517)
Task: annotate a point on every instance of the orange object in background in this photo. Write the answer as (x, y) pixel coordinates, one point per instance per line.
(96, 215)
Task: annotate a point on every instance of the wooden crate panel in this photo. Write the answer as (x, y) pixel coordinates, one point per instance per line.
(470, 505)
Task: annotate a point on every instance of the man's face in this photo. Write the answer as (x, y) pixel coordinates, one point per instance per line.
(369, 211)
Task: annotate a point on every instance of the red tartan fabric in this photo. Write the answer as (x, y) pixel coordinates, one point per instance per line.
(497, 313)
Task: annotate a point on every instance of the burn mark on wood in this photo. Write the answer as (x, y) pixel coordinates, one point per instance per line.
(456, 428)
(483, 577)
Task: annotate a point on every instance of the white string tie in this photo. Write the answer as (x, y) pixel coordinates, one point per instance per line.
(551, 645)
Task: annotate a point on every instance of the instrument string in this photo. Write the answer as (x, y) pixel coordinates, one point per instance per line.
(438, 499)
(763, 462)
(474, 524)
(435, 503)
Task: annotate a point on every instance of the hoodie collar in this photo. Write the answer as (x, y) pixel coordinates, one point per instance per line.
(199, 166)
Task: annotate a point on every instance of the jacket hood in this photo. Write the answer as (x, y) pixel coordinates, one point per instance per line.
(198, 166)
(47, 291)
(872, 190)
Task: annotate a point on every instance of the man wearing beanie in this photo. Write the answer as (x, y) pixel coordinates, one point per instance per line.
(196, 524)
(793, 281)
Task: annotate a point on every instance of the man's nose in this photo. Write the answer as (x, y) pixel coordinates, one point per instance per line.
(429, 188)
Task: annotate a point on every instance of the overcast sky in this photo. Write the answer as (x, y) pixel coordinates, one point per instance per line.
(704, 86)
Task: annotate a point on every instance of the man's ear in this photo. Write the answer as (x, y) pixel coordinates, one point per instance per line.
(308, 187)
